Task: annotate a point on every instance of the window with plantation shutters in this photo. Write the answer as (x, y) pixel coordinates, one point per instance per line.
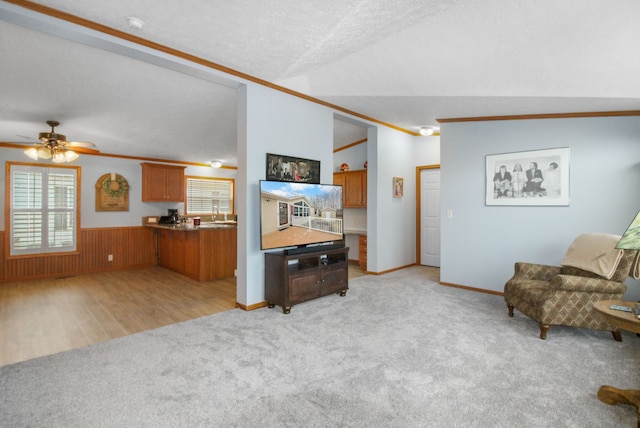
(43, 209)
(209, 195)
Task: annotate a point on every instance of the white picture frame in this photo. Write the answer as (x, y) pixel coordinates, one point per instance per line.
(512, 180)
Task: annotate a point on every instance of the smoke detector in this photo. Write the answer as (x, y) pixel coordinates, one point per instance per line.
(135, 23)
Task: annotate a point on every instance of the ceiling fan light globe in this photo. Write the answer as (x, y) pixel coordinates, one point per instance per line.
(70, 155)
(58, 158)
(32, 153)
(44, 152)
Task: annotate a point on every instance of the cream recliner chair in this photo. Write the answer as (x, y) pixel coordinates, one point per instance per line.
(592, 270)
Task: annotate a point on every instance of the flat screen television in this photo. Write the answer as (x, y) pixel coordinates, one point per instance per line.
(300, 216)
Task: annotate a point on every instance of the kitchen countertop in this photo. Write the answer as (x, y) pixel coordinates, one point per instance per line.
(351, 231)
(183, 227)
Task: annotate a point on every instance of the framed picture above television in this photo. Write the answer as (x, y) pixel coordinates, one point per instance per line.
(289, 168)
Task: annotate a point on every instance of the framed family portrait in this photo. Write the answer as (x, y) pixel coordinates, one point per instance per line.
(538, 177)
(288, 168)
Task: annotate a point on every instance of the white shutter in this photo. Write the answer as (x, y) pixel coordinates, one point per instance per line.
(61, 219)
(26, 207)
(43, 209)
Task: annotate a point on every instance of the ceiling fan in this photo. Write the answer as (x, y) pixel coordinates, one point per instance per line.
(55, 146)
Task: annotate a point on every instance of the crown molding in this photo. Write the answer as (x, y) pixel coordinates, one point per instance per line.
(543, 116)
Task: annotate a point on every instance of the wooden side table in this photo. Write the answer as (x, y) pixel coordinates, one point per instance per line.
(627, 321)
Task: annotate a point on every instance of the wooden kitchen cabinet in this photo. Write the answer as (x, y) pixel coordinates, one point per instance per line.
(354, 187)
(339, 180)
(292, 279)
(202, 254)
(162, 183)
(172, 248)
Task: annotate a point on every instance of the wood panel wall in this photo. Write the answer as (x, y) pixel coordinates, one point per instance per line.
(206, 254)
(130, 246)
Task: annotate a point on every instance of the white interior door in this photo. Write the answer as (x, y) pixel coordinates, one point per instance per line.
(430, 217)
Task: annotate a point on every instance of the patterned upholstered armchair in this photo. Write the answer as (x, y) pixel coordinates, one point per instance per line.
(565, 295)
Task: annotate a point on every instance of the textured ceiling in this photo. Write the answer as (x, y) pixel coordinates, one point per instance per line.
(272, 40)
(400, 62)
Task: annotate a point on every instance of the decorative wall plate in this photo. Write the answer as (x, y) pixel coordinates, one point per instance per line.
(112, 193)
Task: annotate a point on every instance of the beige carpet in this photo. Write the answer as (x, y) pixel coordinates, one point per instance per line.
(398, 350)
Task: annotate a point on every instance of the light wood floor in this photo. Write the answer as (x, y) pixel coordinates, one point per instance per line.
(43, 317)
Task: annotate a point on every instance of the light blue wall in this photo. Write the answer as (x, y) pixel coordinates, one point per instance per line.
(481, 243)
(402, 154)
(354, 156)
(426, 151)
(92, 167)
(272, 122)
(390, 221)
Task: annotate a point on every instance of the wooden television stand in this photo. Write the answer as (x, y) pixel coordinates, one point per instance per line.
(295, 278)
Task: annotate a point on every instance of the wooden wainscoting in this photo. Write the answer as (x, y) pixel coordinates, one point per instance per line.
(130, 247)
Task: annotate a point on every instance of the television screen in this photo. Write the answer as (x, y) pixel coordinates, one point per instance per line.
(298, 214)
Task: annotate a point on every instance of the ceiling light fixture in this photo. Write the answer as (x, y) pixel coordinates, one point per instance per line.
(215, 163)
(429, 130)
(135, 23)
(55, 146)
(55, 152)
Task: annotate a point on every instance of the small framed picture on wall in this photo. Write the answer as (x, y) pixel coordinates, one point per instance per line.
(398, 187)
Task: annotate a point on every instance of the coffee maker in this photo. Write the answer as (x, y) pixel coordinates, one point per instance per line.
(173, 215)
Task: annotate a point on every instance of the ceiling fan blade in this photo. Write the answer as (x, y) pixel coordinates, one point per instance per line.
(77, 149)
(85, 150)
(73, 144)
(20, 144)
